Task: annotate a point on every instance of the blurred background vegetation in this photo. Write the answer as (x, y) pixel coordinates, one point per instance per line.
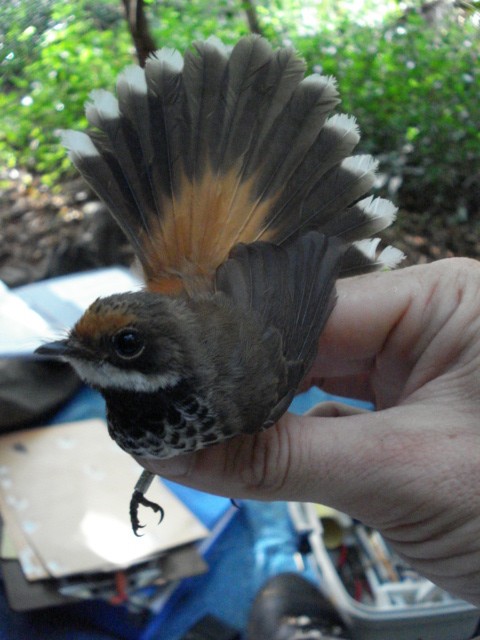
(409, 72)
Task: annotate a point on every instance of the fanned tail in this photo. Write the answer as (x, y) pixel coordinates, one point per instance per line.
(220, 147)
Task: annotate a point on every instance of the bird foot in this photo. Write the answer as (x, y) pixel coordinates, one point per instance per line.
(138, 498)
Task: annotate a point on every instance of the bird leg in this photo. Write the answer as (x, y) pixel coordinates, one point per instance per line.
(138, 498)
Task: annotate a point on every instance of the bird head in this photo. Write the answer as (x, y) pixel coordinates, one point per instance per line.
(131, 341)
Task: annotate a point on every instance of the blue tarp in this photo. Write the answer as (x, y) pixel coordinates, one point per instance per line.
(258, 542)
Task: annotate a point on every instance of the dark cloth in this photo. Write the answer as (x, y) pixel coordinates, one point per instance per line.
(31, 391)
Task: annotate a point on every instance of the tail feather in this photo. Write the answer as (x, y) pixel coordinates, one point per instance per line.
(163, 75)
(362, 220)
(203, 77)
(283, 153)
(222, 147)
(132, 101)
(103, 173)
(259, 84)
(120, 140)
(334, 143)
(292, 135)
(362, 257)
(165, 97)
(339, 187)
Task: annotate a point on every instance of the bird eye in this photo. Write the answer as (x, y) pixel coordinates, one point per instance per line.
(128, 343)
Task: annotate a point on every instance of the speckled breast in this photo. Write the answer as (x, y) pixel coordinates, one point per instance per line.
(163, 423)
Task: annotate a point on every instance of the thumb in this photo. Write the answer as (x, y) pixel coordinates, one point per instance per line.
(333, 460)
(393, 469)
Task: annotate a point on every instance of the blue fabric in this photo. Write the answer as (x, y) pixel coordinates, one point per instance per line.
(305, 401)
(259, 542)
(62, 623)
(86, 404)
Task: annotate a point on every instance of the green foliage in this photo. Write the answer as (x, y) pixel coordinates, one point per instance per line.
(54, 54)
(178, 23)
(413, 87)
(414, 90)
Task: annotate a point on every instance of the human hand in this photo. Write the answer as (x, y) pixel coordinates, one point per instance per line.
(410, 341)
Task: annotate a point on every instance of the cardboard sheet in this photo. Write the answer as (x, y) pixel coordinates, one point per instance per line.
(68, 488)
(31, 564)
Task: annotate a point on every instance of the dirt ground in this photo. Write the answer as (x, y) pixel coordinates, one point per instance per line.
(45, 233)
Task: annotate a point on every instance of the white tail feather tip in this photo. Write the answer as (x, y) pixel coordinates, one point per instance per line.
(166, 57)
(368, 247)
(345, 123)
(78, 143)
(391, 257)
(215, 42)
(133, 78)
(379, 208)
(103, 106)
(361, 164)
(322, 82)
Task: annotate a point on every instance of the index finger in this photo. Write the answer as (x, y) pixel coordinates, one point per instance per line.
(367, 309)
(386, 324)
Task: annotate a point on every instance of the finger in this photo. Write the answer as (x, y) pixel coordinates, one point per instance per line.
(367, 309)
(356, 386)
(330, 409)
(307, 458)
(387, 325)
(374, 466)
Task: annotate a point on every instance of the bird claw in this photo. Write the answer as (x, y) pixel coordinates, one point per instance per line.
(139, 499)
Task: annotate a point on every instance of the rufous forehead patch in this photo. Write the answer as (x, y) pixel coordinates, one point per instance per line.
(93, 325)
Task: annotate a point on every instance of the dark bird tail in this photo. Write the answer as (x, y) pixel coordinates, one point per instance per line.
(198, 154)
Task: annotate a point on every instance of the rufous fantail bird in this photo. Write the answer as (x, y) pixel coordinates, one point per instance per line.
(235, 187)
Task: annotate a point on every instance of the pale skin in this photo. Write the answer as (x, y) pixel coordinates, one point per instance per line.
(410, 341)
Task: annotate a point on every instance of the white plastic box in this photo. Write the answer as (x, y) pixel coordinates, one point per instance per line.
(406, 610)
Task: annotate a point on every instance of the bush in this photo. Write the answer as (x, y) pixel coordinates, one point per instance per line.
(413, 87)
(55, 53)
(414, 91)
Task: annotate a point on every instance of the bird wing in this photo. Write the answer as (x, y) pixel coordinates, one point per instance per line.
(290, 288)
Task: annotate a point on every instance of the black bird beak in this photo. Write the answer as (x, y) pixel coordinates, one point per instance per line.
(57, 349)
